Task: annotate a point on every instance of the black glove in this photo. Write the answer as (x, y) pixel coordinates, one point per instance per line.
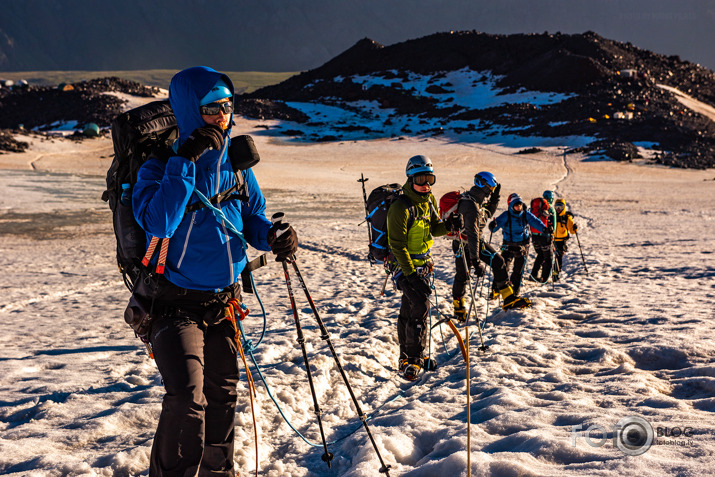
(283, 241)
(478, 267)
(575, 227)
(497, 189)
(455, 221)
(419, 284)
(492, 225)
(201, 139)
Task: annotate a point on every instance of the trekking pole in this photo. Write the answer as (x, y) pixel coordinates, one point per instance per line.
(384, 284)
(483, 347)
(384, 469)
(466, 356)
(580, 250)
(363, 180)
(556, 267)
(328, 456)
(469, 417)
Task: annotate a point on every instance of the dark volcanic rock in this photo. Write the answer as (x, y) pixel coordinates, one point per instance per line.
(36, 106)
(586, 66)
(8, 143)
(264, 108)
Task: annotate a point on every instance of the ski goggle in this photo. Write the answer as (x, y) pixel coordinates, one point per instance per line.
(422, 179)
(559, 207)
(212, 109)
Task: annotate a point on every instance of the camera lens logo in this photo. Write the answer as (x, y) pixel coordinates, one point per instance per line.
(634, 435)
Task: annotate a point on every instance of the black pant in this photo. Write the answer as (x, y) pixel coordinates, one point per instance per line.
(198, 366)
(560, 248)
(487, 254)
(412, 330)
(517, 253)
(543, 261)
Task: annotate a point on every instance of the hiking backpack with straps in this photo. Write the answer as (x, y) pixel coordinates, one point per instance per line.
(540, 208)
(136, 134)
(449, 203)
(378, 203)
(139, 134)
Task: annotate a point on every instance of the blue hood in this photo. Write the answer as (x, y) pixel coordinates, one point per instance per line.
(185, 92)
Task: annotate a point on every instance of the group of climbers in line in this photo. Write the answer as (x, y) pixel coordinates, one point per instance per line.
(412, 224)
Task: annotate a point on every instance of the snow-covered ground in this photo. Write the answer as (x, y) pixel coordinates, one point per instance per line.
(632, 338)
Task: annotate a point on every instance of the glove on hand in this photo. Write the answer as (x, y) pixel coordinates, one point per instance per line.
(575, 227)
(492, 225)
(497, 189)
(478, 268)
(283, 241)
(455, 221)
(419, 284)
(201, 139)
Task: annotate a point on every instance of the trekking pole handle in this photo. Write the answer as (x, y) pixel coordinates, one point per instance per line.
(277, 219)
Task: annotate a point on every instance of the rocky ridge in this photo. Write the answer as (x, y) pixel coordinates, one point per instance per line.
(611, 92)
(612, 86)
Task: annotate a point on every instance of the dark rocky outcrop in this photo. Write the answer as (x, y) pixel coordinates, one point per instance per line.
(585, 65)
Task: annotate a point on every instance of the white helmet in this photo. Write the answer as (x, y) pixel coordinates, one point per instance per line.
(419, 164)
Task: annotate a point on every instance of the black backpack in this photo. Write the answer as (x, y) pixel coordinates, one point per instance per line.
(150, 131)
(137, 134)
(378, 203)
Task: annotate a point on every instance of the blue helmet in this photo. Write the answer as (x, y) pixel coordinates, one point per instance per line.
(549, 196)
(419, 164)
(485, 179)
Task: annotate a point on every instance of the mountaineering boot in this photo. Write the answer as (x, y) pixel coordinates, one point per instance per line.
(402, 364)
(460, 311)
(493, 294)
(555, 276)
(512, 300)
(412, 368)
(429, 364)
(412, 372)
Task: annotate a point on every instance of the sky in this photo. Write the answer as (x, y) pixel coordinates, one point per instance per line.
(274, 35)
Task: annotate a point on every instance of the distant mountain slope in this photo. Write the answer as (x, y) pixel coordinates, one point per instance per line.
(599, 88)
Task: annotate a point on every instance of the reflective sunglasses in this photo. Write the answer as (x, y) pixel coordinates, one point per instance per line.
(212, 109)
(423, 179)
(559, 207)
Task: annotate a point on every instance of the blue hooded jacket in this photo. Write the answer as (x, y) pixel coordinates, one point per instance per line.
(203, 253)
(516, 225)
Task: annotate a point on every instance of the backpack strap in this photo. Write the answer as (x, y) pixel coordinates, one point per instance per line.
(164, 249)
(410, 208)
(240, 189)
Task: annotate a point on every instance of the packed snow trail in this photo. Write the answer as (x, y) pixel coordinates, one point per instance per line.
(78, 394)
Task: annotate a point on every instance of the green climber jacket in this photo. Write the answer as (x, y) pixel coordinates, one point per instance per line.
(411, 246)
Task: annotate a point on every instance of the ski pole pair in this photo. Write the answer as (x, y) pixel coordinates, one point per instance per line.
(277, 218)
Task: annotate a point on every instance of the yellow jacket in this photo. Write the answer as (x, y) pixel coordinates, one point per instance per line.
(564, 224)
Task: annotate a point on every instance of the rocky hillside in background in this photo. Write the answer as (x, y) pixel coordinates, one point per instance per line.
(609, 91)
(605, 79)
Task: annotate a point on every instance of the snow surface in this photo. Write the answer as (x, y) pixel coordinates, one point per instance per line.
(633, 337)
